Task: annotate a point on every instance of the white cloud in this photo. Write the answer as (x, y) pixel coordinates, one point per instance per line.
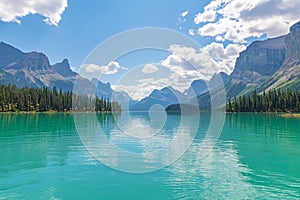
(191, 32)
(187, 64)
(207, 16)
(237, 20)
(12, 11)
(182, 19)
(150, 68)
(190, 59)
(112, 68)
(225, 57)
(185, 13)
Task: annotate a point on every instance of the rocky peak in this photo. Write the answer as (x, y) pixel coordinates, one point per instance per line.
(8, 54)
(197, 87)
(64, 69)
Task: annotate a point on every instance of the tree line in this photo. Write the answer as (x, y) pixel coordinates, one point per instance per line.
(14, 99)
(273, 101)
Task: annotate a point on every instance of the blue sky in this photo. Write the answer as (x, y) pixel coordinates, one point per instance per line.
(85, 24)
(72, 29)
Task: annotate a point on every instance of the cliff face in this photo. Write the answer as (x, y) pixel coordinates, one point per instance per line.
(30, 61)
(260, 59)
(269, 64)
(288, 76)
(293, 47)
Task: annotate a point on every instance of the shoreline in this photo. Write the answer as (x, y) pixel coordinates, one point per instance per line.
(283, 114)
(290, 115)
(55, 112)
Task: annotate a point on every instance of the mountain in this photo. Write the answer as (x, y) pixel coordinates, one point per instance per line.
(197, 87)
(33, 69)
(288, 76)
(255, 65)
(64, 69)
(218, 79)
(200, 86)
(104, 90)
(169, 96)
(8, 54)
(163, 97)
(269, 64)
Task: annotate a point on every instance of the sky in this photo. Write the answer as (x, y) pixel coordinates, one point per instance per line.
(72, 29)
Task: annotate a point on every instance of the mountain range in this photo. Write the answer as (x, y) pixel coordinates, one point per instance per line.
(264, 65)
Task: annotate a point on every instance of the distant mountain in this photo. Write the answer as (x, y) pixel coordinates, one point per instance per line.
(200, 86)
(163, 97)
(169, 96)
(104, 90)
(197, 87)
(218, 79)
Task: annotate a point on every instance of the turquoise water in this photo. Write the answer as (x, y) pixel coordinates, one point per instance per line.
(256, 157)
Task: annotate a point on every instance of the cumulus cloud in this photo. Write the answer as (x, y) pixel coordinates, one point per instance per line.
(185, 13)
(225, 57)
(112, 68)
(207, 16)
(12, 11)
(238, 20)
(182, 18)
(150, 68)
(191, 32)
(187, 61)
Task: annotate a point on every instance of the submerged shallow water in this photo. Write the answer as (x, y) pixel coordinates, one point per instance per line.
(256, 157)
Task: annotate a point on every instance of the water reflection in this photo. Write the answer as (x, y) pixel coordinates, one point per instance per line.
(21, 135)
(135, 143)
(255, 158)
(269, 146)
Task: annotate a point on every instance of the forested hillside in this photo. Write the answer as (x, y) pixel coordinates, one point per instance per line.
(13, 99)
(272, 101)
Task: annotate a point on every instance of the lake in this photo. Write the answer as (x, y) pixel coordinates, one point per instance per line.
(257, 156)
